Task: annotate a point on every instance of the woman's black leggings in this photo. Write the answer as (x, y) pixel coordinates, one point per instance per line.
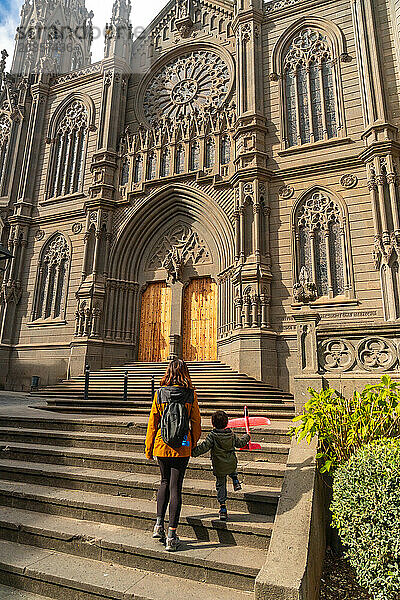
(170, 490)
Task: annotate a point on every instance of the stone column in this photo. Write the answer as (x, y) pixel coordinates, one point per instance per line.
(175, 336)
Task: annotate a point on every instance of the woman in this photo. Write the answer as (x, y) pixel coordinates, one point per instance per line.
(176, 385)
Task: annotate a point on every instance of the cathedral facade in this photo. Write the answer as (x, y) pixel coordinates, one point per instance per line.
(224, 186)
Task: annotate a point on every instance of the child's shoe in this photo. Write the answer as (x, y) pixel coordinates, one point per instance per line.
(159, 533)
(237, 486)
(223, 513)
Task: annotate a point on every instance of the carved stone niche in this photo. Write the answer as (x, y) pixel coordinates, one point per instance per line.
(304, 291)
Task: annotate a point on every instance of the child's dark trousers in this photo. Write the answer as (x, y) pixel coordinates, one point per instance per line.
(222, 492)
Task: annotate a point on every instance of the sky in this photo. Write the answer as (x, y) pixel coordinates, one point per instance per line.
(143, 12)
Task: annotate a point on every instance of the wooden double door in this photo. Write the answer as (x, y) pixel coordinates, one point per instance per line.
(198, 319)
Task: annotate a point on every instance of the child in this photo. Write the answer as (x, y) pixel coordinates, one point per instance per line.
(222, 443)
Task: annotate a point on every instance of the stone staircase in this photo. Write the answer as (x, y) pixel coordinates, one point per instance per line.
(218, 387)
(77, 499)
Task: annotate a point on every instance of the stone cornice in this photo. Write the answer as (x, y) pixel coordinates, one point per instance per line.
(323, 167)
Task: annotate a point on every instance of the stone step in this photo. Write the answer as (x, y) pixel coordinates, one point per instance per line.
(127, 443)
(9, 593)
(251, 499)
(56, 574)
(79, 407)
(276, 432)
(229, 566)
(251, 472)
(197, 522)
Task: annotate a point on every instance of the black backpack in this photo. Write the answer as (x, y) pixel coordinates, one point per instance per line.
(175, 420)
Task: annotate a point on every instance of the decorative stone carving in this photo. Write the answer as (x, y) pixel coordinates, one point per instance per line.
(376, 354)
(304, 291)
(318, 211)
(77, 228)
(336, 355)
(349, 181)
(286, 191)
(187, 85)
(176, 249)
(279, 4)
(39, 235)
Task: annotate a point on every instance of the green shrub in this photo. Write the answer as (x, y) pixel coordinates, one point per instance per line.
(366, 512)
(345, 425)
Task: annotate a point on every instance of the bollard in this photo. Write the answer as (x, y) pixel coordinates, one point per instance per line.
(35, 383)
(125, 386)
(87, 378)
(153, 387)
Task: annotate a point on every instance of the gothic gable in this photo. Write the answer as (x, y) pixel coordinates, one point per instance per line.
(182, 21)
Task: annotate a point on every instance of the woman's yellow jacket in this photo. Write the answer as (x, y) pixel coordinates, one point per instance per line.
(155, 446)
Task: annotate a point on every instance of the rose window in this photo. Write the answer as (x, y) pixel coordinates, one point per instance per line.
(186, 85)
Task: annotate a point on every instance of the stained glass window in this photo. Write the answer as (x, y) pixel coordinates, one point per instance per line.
(151, 165)
(165, 162)
(308, 62)
(302, 94)
(50, 293)
(125, 172)
(138, 169)
(69, 150)
(329, 96)
(180, 159)
(225, 150)
(210, 153)
(194, 156)
(291, 113)
(319, 239)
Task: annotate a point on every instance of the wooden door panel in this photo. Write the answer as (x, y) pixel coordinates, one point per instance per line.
(200, 320)
(155, 323)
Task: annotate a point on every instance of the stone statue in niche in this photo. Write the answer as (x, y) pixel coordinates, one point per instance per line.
(304, 291)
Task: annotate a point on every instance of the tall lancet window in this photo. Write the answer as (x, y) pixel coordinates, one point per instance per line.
(165, 169)
(321, 245)
(180, 159)
(225, 150)
(311, 105)
(138, 169)
(69, 150)
(5, 132)
(151, 165)
(52, 280)
(194, 156)
(210, 153)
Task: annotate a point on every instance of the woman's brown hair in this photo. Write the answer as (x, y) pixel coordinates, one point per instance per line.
(177, 373)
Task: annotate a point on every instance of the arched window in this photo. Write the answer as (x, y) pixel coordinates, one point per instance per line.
(320, 243)
(69, 150)
(5, 132)
(210, 153)
(138, 169)
(310, 99)
(77, 58)
(180, 159)
(125, 172)
(151, 165)
(225, 150)
(52, 279)
(165, 162)
(194, 156)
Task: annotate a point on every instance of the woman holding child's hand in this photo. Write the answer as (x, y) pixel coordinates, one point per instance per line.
(173, 432)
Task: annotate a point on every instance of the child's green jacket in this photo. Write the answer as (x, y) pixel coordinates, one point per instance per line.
(222, 443)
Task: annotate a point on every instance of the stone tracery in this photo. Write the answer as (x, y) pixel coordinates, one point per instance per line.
(186, 85)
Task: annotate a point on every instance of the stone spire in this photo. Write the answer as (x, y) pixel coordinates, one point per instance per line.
(118, 40)
(54, 37)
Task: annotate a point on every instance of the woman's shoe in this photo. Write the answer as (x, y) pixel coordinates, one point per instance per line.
(159, 533)
(223, 513)
(171, 544)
